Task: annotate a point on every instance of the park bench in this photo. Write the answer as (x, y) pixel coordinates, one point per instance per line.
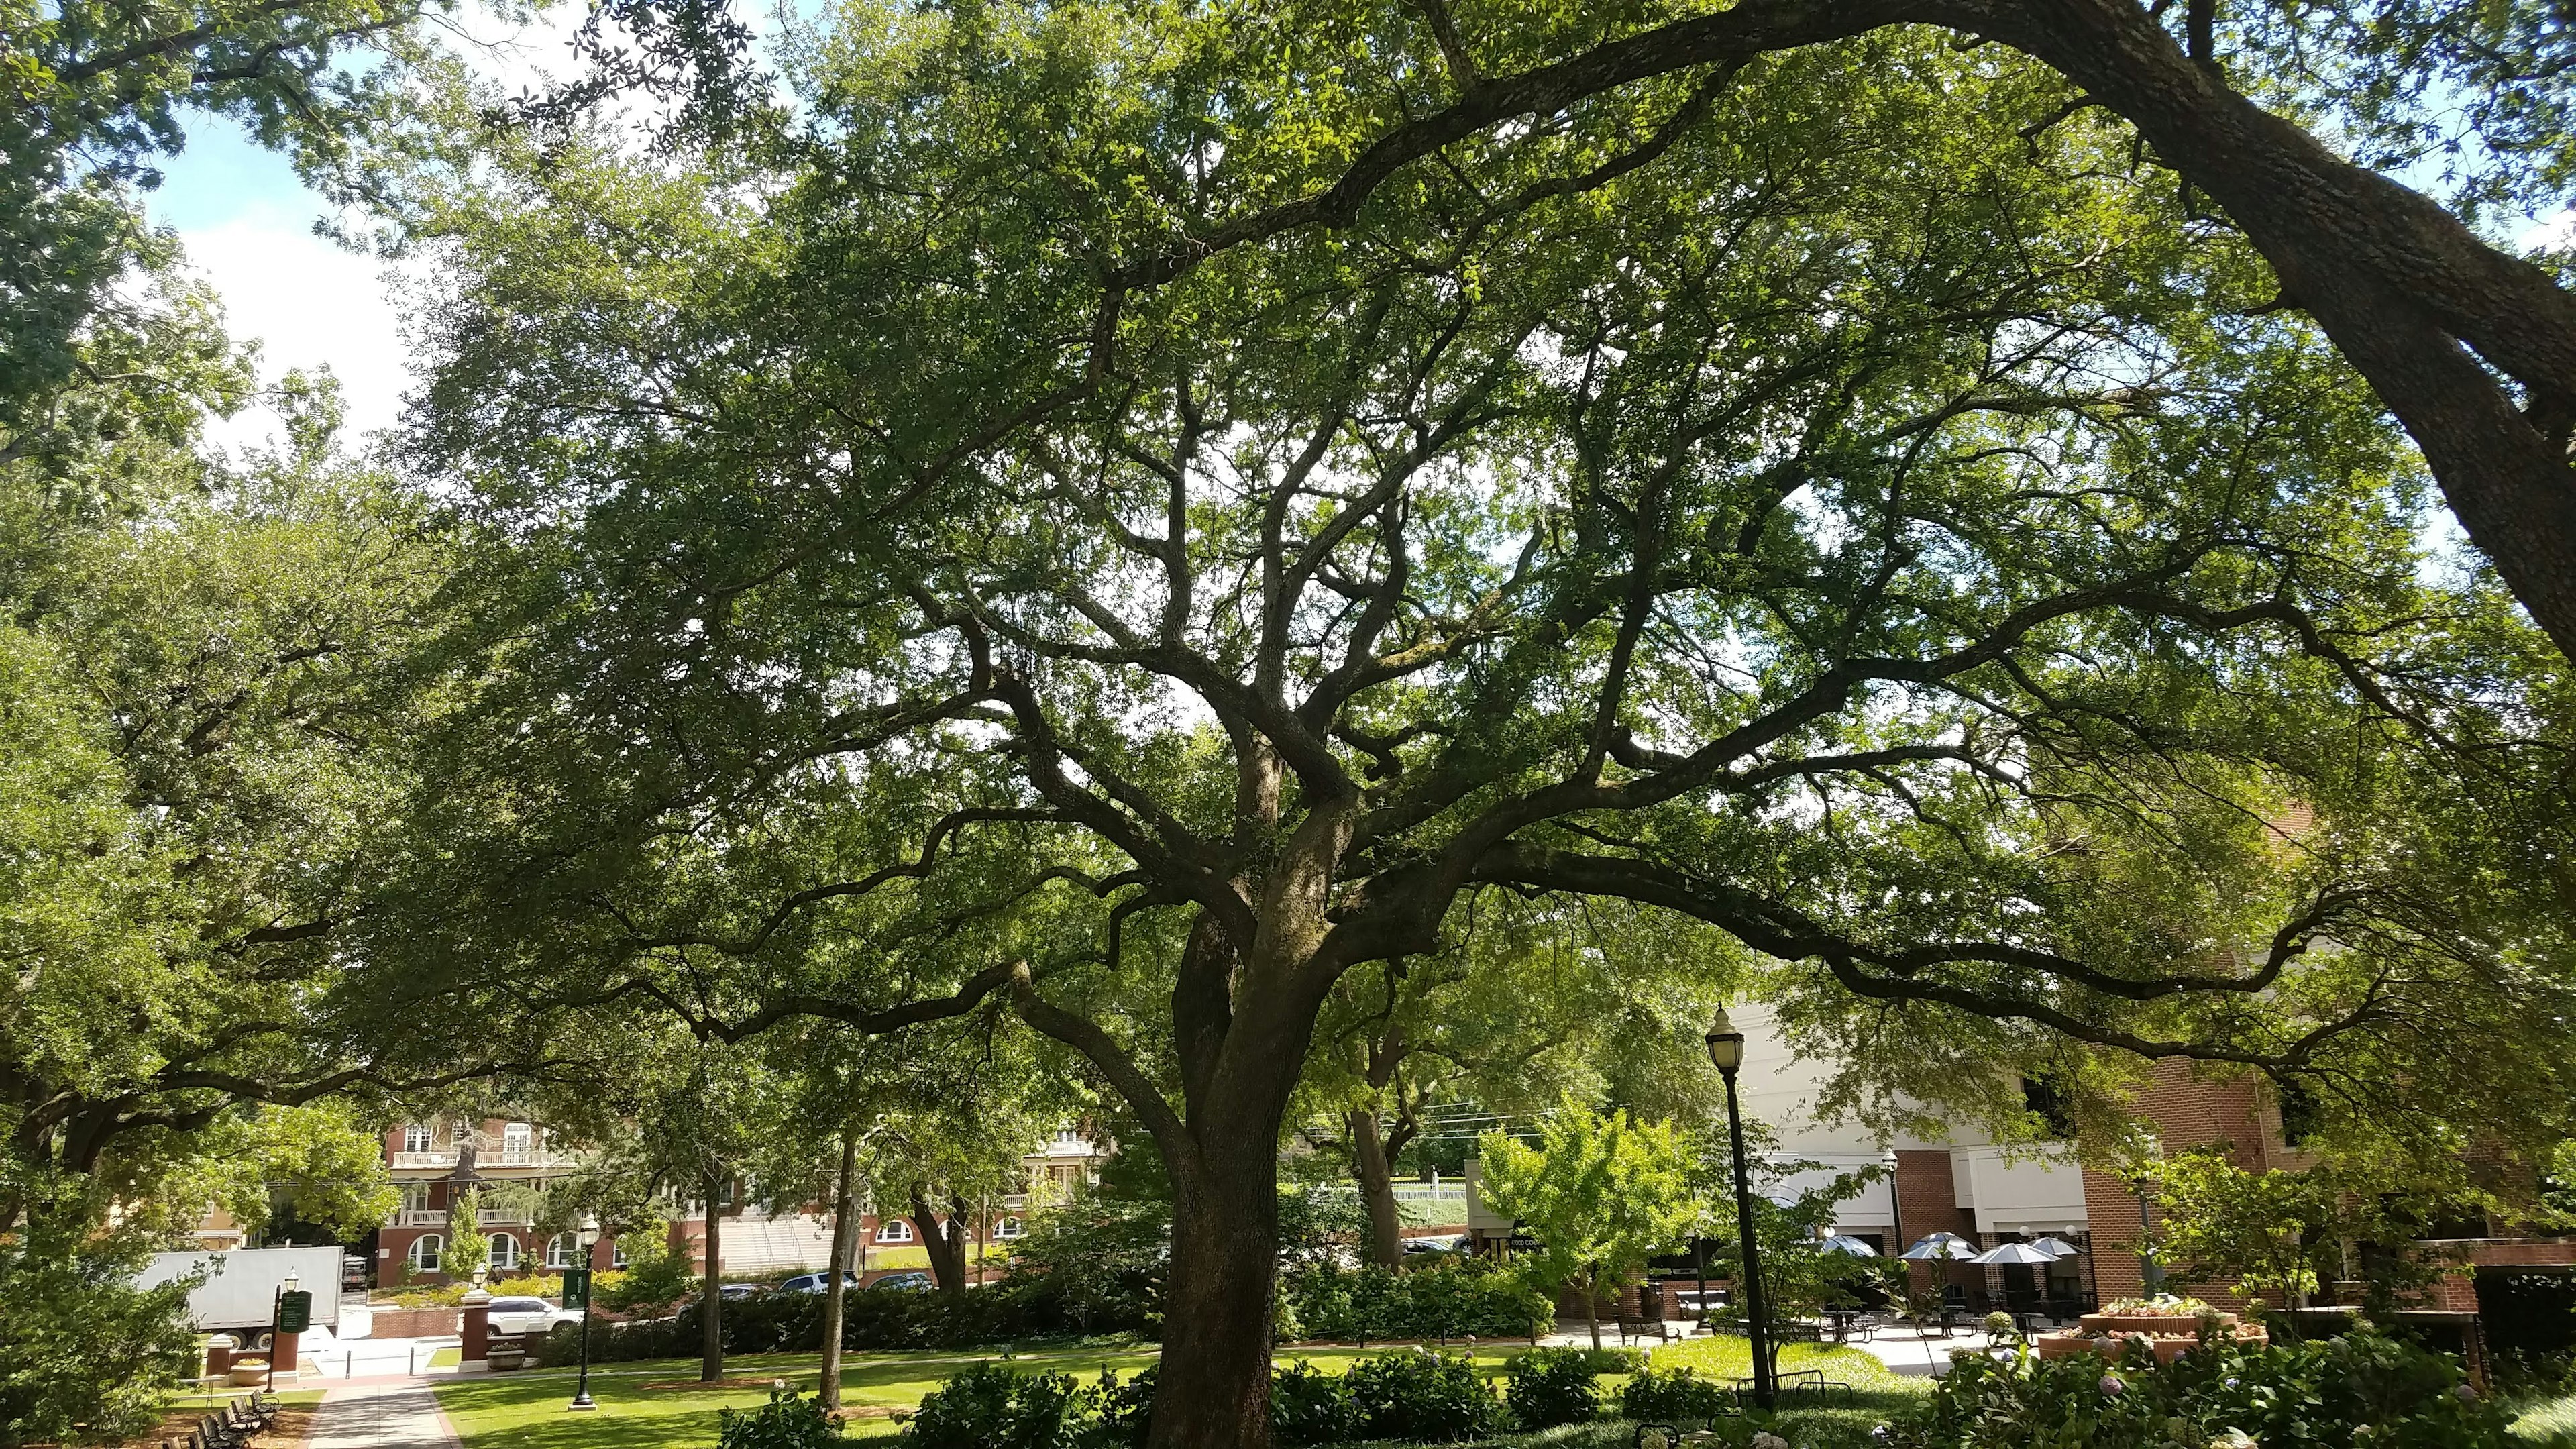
(1658, 1329)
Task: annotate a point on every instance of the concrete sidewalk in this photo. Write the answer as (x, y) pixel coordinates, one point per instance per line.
(381, 1416)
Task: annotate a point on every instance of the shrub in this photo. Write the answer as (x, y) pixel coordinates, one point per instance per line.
(1453, 1300)
(1674, 1395)
(1435, 1397)
(787, 1421)
(1552, 1386)
(987, 1406)
(83, 1351)
(990, 1406)
(2359, 1390)
(1310, 1406)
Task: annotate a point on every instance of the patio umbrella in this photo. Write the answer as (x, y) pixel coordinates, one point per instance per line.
(2023, 1253)
(2056, 1247)
(1843, 1243)
(1939, 1246)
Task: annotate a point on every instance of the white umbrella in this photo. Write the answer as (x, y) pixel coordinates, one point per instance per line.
(2056, 1247)
(1939, 1246)
(1843, 1243)
(2023, 1253)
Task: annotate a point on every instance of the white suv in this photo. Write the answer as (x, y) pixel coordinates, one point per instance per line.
(514, 1316)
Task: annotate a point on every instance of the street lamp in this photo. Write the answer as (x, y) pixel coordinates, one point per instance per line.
(1726, 1051)
(587, 1235)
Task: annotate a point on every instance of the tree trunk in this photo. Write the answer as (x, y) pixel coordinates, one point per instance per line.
(1592, 1305)
(1377, 1190)
(1212, 1390)
(845, 1232)
(711, 1303)
(944, 1243)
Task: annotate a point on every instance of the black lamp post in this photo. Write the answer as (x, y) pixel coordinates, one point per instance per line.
(1726, 1050)
(587, 1237)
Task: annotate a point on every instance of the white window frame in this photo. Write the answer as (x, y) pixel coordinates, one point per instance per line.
(436, 1243)
(559, 1252)
(507, 1252)
(1009, 1228)
(617, 1252)
(895, 1230)
(416, 1137)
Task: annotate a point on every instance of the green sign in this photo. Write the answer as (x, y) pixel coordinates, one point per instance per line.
(294, 1312)
(576, 1289)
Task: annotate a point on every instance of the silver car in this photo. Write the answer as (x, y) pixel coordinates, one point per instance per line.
(514, 1316)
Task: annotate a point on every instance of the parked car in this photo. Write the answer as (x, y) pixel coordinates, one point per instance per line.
(513, 1316)
(731, 1291)
(818, 1282)
(904, 1283)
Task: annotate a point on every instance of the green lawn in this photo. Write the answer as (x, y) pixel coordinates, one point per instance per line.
(2550, 1422)
(528, 1408)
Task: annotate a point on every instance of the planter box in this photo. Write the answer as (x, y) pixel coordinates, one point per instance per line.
(2152, 1325)
(2166, 1346)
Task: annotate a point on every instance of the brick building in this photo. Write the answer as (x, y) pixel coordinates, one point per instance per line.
(433, 1161)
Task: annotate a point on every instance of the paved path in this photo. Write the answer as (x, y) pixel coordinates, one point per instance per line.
(381, 1416)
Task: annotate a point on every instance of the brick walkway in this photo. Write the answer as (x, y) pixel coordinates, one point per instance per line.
(381, 1416)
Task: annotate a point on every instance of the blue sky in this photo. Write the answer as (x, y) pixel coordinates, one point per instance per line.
(247, 223)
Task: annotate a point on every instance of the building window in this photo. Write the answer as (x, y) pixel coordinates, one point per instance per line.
(894, 1230)
(2302, 1120)
(518, 1143)
(1014, 1228)
(2044, 1101)
(415, 1198)
(416, 1137)
(617, 1252)
(424, 1252)
(505, 1251)
(559, 1251)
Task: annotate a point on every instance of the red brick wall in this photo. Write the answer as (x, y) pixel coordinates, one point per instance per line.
(1927, 1202)
(2190, 1110)
(2458, 1292)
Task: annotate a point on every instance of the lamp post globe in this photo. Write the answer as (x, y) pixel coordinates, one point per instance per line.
(1726, 1053)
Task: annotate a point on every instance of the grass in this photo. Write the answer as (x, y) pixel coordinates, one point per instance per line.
(527, 1409)
(2550, 1422)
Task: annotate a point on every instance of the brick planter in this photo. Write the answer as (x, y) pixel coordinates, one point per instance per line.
(414, 1323)
(2168, 1338)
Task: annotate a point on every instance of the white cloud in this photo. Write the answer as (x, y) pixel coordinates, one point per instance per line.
(308, 302)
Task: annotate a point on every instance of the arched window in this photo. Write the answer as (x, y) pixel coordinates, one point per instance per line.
(617, 1253)
(559, 1251)
(505, 1251)
(1010, 1228)
(416, 1137)
(894, 1230)
(424, 1252)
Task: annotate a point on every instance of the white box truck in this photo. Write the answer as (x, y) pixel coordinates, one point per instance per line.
(240, 1286)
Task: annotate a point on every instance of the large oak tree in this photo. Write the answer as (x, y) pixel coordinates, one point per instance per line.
(1835, 498)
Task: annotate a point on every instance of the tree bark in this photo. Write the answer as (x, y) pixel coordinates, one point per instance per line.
(1377, 1189)
(1592, 1305)
(711, 1300)
(845, 1232)
(1213, 1386)
(944, 1243)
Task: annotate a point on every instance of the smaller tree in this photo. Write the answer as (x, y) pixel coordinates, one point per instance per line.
(2284, 1232)
(468, 1248)
(1601, 1193)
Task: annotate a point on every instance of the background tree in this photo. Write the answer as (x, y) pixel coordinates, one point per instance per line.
(1537, 1001)
(1719, 522)
(1601, 1194)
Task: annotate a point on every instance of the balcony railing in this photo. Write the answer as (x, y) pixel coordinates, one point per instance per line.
(524, 1157)
(445, 1158)
(483, 1218)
